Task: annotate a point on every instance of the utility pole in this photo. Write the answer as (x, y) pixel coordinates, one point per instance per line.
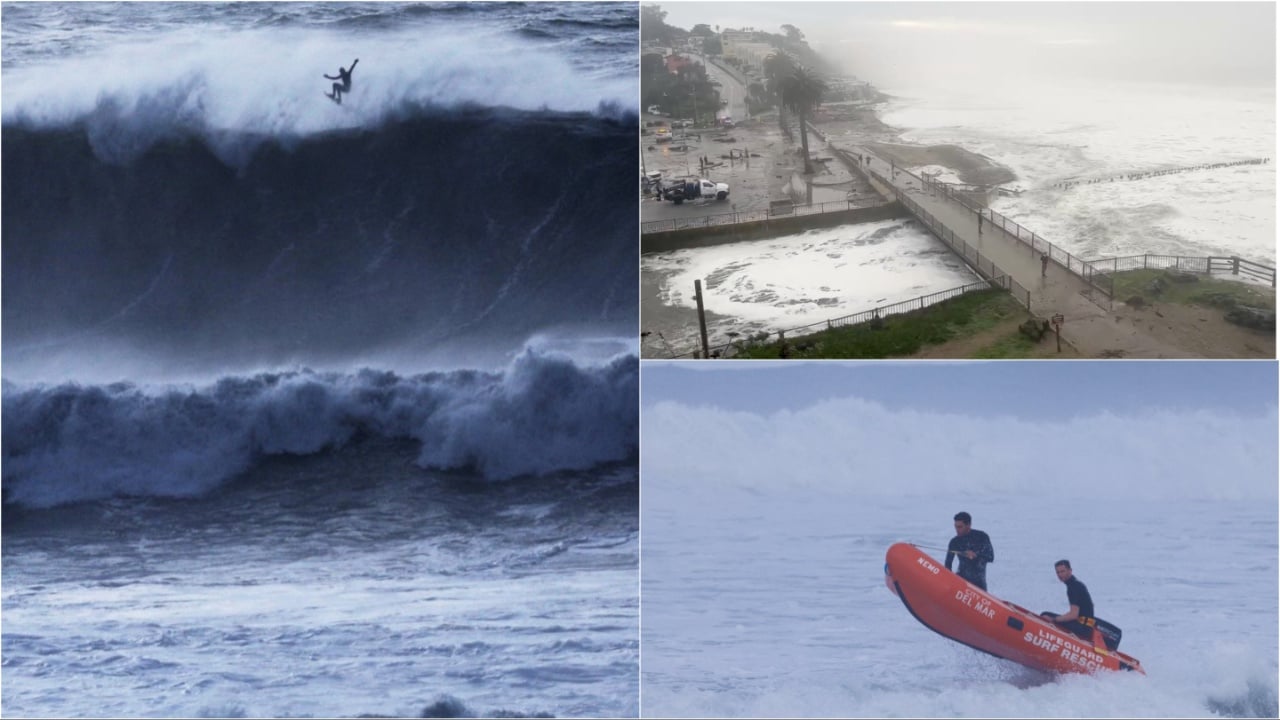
(702, 319)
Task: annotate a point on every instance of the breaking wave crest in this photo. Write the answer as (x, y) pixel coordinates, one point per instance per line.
(542, 414)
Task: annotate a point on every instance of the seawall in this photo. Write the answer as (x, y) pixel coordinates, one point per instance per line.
(772, 227)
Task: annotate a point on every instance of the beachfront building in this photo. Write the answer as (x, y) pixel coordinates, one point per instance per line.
(743, 45)
(733, 38)
(849, 89)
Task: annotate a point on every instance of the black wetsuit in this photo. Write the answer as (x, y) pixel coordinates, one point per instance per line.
(344, 74)
(1078, 595)
(975, 570)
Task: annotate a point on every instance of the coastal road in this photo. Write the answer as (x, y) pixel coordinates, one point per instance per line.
(1094, 331)
(731, 90)
(676, 162)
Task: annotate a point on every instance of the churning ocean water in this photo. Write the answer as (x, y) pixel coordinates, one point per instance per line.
(765, 532)
(319, 409)
(798, 280)
(1053, 132)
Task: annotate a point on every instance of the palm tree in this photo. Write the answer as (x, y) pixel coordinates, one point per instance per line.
(802, 92)
(777, 67)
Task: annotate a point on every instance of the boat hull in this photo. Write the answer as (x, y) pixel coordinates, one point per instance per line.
(954, 608)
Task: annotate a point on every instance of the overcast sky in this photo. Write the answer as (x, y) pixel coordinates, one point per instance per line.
(910, 42)
(1031, 390)
(1133, 429)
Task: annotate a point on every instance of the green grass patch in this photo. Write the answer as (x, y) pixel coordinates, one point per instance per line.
(901, 335)
(1014, 345)
(1170, 286)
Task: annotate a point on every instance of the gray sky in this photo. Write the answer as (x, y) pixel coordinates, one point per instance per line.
(1225, 43)
(1030, 390)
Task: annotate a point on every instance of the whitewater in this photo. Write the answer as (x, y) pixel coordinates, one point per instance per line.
(319, 409)
(798, 280)
(1050, 131)
(766, 527)
(1047, 131)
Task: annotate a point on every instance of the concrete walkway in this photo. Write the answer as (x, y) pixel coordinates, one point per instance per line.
(1091, 329)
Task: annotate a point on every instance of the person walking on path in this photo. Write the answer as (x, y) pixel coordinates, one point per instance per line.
(1044, 264)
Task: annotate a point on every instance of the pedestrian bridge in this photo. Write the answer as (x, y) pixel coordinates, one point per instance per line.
(1045, 278)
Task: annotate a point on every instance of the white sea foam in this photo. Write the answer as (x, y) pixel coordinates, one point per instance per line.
(796, 280)
(240, 81)
(1047, 133)
(544, 413)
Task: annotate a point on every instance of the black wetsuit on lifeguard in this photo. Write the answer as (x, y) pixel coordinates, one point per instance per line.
(975, 570)
(1078, 595)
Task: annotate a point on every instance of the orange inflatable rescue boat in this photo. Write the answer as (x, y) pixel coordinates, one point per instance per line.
(954, 608)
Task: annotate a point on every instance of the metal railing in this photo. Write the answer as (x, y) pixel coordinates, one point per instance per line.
(1104, 270)
(734, 218)
(906, 306)
(1239, 266)
(983, 265)
(1094, 272)
(954, 192)
(876, 313)
(1072, 264)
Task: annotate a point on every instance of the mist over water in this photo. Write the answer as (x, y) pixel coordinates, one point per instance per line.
(980, 44)
(1059, 91)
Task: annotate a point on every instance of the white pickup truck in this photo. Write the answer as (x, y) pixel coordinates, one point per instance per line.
(690, 189)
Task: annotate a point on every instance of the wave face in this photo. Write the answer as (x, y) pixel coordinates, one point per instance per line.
(214, 206)
(349, 240)
(543, 414)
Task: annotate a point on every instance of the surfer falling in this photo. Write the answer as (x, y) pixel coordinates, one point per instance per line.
(344, 74)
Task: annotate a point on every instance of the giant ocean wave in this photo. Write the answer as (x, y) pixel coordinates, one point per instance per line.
(188, 195)
(474, 222)
(545, 413)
